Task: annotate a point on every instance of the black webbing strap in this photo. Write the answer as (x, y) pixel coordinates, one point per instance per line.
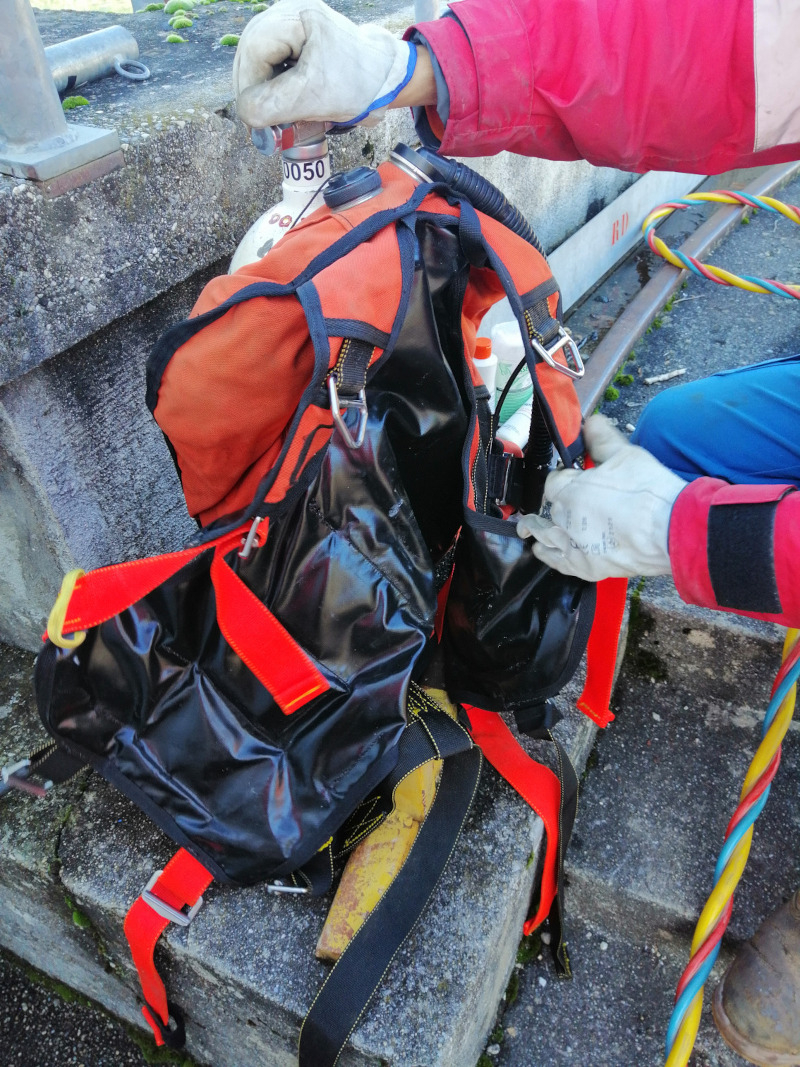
(351, 367)
(50, 765)
(566, 819)
(432, 735)
(53, 763)
(351, 984)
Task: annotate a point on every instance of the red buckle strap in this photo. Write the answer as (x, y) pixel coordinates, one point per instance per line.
(534, 782)
(602, 649)
(260, 641)
(171, 895)
(284, 669)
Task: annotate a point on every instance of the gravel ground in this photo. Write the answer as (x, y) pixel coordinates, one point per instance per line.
(43, 1024)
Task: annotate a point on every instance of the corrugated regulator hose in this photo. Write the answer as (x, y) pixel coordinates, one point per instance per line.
(481, 194)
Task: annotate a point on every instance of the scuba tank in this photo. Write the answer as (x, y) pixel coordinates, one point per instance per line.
(306, 169)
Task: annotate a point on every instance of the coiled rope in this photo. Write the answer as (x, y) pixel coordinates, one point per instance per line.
(683, 1026)
(705, 270)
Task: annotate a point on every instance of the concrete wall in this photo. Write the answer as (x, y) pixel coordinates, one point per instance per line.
(90, 278)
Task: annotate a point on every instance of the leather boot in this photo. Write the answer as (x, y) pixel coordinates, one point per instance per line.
(757, 1004)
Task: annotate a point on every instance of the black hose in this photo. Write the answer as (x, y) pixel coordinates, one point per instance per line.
(538, 455)
(481, 194)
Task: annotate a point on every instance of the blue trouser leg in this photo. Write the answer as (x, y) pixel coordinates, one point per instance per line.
(742, 425)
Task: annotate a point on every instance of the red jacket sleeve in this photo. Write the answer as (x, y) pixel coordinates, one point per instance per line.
(737, 548)
(633, 84)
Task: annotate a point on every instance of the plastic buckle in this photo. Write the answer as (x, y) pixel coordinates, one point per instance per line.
(337, 403)
(15, 776)
(280, 887)
(166, 911)
(571, 352)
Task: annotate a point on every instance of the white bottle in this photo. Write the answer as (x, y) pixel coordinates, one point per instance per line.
(486, 365)
(507, 346)
(517, 429)
(306, 168)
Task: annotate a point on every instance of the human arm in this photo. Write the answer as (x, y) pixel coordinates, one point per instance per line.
(731, 547)
(737, 548)
(635, 84)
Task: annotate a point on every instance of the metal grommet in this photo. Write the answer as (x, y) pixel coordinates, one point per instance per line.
(132, 69)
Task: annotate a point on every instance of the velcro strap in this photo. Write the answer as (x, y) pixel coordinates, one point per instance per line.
(738, 535)
(179, 886)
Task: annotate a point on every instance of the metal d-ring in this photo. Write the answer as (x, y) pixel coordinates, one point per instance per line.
(359, 402)
(131, 68)
(573, 365)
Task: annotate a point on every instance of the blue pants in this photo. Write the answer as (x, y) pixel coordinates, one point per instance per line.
(742, 425)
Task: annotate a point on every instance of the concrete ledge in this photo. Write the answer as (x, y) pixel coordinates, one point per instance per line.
(244, 972)
(694, 689)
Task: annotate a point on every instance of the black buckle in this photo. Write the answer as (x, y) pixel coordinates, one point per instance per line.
(505, 473)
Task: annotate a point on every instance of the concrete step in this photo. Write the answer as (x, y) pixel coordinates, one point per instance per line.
(662, 782)
(244, 972)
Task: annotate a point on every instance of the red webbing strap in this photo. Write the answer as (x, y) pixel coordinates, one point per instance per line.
(260, 641)
(179, 885)
(104, 593)
(602, 649)
(249, 627)
(534, 782)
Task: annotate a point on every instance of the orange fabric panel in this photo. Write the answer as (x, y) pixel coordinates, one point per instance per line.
(559, 390)
(525, 265)
(224, 401)
(375, 299)
(312, 434)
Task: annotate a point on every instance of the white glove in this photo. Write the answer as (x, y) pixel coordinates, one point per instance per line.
(611, 520)
(341, 72)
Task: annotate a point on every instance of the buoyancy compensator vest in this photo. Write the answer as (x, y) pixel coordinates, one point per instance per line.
(260, 693)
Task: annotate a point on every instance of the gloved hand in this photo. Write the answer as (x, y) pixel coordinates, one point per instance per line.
(341, 71)
(611, 520)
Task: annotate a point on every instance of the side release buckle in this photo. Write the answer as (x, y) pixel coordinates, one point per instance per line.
(573, 368)
(16, 776)
(359, 402)
(166, 911)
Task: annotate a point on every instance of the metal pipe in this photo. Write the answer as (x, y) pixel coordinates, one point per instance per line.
(95, 55)
(36, 141)
(30, 111)
(632, 324)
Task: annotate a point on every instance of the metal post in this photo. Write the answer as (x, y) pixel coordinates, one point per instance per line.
(36, 141)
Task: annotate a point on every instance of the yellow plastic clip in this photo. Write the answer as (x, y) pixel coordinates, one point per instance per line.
(58, 614)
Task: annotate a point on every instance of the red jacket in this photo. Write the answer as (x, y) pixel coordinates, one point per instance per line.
(645, 85)
(640, 85)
